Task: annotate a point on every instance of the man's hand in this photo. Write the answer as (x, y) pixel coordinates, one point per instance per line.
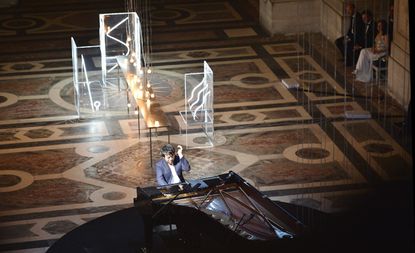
(180, 151)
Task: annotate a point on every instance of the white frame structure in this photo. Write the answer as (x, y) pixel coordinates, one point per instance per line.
(198, 107)
(120, 35)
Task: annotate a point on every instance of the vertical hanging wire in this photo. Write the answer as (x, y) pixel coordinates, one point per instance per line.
(353, 24)
(298, 196)
(307, 76)
(345, 85)
(300, 95)
(368, 96)
(324, 64)
(326, 51)
(385, 89)
(300, 69)
(147, 25)
(379, 94)
(345, 95)
(378, 82)
(365, 85)
(368, 93)
(385, 108)
(386, 113)
(391, 114)
(306, 87)
(323, 120)
(146, 32)
(143, 10)
(150, 25)
(375, 85)
(315, 40)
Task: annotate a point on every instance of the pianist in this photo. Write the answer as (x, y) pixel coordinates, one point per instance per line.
(170, 167)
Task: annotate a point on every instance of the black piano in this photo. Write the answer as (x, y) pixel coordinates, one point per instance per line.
(214, 214)
(225, 213)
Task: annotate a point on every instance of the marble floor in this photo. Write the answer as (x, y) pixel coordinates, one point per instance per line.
(58, 171)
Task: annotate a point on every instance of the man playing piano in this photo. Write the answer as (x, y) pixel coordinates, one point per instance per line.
(170, 167)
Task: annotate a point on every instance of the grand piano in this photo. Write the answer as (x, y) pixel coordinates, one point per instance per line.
(225, 213)
(214, 214)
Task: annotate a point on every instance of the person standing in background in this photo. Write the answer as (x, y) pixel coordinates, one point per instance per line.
(369, 32)
(353, 37)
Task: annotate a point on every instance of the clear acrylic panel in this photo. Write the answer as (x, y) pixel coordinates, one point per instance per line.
(198, 109)
(209, 129)
(75, 75)
(91, 98)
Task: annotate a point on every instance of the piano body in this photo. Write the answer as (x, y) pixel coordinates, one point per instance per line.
(214, 214)
(225, 213)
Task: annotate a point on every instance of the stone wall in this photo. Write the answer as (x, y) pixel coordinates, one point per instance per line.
(399, 85)
(325, 16)
(290, 16)
(333, 23)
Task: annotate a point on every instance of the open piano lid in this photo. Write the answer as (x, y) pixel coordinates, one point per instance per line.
(230, 200)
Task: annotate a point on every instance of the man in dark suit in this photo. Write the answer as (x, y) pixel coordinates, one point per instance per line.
(169, 169)
(354, 35)
(368, 33)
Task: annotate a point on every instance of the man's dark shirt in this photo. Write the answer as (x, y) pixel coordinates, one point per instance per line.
(369, 34)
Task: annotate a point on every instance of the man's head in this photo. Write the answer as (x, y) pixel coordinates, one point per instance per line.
(367, 16)
(168, 153)
(350, 9)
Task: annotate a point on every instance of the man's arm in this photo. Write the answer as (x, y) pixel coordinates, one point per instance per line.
(184, 164)
(159, 175)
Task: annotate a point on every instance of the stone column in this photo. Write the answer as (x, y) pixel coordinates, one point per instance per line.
(399, 76)
(333, 22)
(290, 16)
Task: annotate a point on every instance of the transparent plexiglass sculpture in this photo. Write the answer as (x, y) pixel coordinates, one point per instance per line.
(120, 35)
(91, 98)
(198, 109)
(86, 79)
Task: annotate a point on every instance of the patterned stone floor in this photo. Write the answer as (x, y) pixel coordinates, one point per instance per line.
(58, 171)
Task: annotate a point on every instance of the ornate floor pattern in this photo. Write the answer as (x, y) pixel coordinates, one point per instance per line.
(58, 171)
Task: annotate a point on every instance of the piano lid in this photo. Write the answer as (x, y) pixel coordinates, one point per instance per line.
(231, 201)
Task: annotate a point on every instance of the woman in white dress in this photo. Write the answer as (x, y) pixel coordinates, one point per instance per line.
(363, 69)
